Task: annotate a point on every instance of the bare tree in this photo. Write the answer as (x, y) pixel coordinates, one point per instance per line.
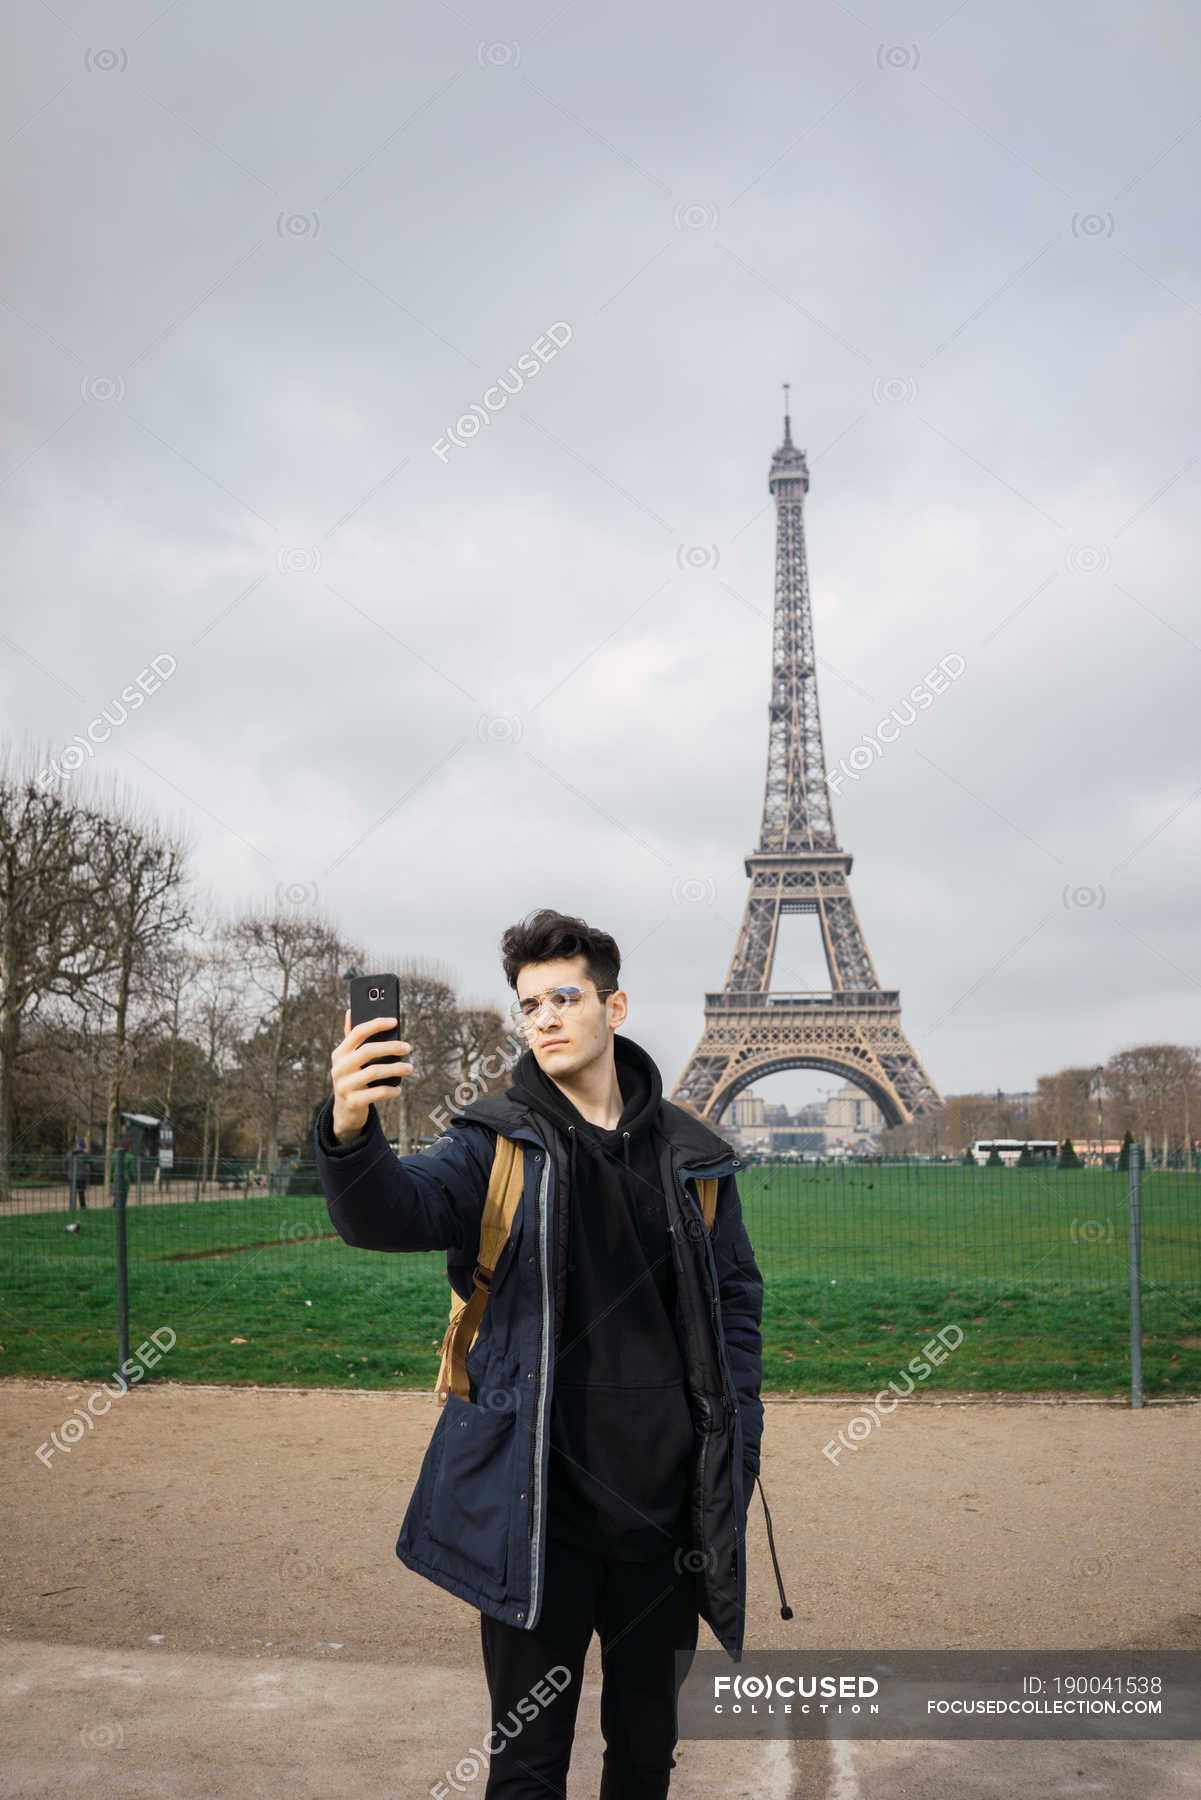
(433, 1025)
(50, 902)
(60, 1074)
(144, 873)
(1157, 1085)
(215, 1012)
(169, 982)
(1064, 1105)
(480, 1031)
(169, 1072)
(315, 1025)
(282, 954)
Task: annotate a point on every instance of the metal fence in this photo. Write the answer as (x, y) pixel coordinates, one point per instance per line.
(42, 1177)
(245, 1271)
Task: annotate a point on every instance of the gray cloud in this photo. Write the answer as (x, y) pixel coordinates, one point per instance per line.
(261, 263)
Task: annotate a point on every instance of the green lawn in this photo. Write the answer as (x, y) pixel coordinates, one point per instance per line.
(861, 1267)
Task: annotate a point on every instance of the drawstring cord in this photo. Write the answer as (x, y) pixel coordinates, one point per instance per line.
(625, 1148)
(785, 1609)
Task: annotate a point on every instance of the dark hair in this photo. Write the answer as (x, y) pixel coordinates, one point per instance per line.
(546, 935)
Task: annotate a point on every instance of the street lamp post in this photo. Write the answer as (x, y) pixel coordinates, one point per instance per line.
(1097, 1074)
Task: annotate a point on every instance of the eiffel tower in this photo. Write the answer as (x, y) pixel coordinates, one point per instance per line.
(853, 1030)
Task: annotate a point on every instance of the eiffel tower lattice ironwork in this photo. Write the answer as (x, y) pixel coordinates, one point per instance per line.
(854, 1029)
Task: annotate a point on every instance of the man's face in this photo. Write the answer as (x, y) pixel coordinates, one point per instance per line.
(565, 1045)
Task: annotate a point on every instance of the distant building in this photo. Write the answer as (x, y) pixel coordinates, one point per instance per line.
(748, 1109)
(750, 1128)
(846, 1122)
(853, 1120)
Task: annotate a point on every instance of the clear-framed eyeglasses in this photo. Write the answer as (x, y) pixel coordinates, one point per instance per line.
(560, 1002)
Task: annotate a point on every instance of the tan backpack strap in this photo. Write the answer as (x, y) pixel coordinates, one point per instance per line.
(496, 1221)
(707, 1194)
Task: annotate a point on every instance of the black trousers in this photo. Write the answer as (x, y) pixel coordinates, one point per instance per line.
(646, 1616)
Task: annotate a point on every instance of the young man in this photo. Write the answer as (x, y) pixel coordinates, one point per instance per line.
(599, 1472)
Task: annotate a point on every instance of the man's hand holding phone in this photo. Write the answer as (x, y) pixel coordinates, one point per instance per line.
(356, 1080)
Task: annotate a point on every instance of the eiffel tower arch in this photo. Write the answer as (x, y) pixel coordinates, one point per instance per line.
(853, 1028)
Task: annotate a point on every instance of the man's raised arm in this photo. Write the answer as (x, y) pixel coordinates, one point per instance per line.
(375, 1199)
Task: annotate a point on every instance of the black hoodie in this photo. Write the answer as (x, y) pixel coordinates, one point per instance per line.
(621, 1435)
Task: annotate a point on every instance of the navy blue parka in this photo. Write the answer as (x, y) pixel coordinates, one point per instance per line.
(476, 1522)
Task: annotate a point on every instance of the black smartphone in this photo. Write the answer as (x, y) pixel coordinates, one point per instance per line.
(378, 997)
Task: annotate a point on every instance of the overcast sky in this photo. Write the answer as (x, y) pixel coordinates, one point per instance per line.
(263, 265)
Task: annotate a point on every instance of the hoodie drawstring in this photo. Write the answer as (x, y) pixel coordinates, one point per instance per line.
(785, 1609)
(625, 1146)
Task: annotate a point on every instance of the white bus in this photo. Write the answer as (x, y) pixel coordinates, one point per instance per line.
(1043, 1150)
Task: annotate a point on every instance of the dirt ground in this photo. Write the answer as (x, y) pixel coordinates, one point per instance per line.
(207, 1556)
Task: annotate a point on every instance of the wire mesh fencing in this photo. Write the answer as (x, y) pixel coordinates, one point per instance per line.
(1024, 1272)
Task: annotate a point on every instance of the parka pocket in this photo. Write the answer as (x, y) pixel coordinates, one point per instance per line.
(472, 1497)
